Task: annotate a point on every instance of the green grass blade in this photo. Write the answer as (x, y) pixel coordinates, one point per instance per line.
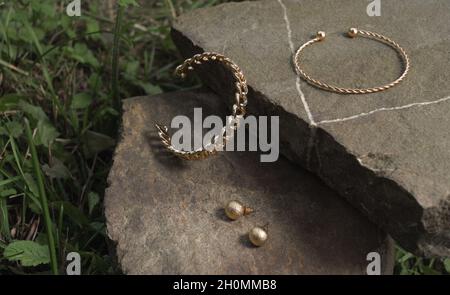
(15, 151)
(10, 180)
(4, 219)
(43, 197)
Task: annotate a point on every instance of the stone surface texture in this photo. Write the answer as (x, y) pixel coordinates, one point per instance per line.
(387, 153)
(166, 215)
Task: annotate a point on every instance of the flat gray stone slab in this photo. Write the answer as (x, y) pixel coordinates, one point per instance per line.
(166, 215)
(387, 153)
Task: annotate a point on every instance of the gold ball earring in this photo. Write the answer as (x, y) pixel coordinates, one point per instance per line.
(235, 209)
(258, 236)
(353, 32)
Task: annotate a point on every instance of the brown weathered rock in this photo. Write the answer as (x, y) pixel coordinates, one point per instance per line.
(166, 215)
(387, 153)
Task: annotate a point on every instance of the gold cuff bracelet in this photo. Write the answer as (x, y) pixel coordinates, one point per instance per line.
(239, 107)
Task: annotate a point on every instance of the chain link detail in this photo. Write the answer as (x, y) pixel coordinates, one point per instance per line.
(233, 122)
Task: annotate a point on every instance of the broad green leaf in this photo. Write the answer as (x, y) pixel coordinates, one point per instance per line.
(13, 128)
(132, 67)
(49, 25)
(82, 53)
(46, 133)
(56, 170)
(92, 26)
(35, 112)
(81, 101)
(95, 142)
(447, 264)
(95, 81)
(83, 50)
(28, 253)
(149, 88)
(46, 8)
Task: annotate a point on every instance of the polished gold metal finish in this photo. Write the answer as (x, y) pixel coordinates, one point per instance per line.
(353, 32)
(235, 209)
(320, 35)
(239, 107)
(258, 236)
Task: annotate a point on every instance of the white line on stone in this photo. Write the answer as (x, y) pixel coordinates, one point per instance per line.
(365, 114)
(292, 47)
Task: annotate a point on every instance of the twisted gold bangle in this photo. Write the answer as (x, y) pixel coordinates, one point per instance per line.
(352, 33)
(239, 107)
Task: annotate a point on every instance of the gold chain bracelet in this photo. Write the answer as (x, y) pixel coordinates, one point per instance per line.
(352, 33)
(239, 107)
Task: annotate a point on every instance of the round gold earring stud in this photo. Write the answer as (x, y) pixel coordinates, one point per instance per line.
(235, 209)
(352, 32)
(258, 236)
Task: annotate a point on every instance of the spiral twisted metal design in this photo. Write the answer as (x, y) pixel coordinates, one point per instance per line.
(352, 33)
